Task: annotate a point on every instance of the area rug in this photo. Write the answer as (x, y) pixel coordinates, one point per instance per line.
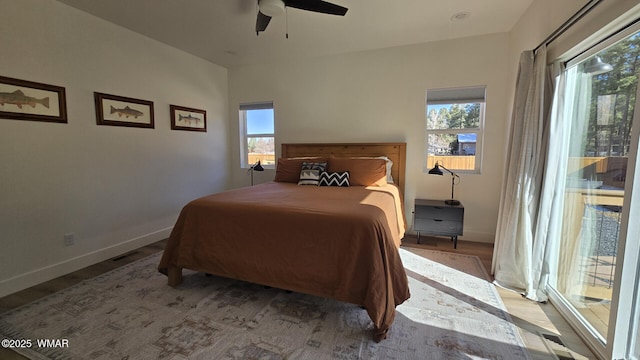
(130, 313)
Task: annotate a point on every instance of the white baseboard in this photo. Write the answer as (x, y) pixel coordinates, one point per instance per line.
(38, 276)
(477, 236)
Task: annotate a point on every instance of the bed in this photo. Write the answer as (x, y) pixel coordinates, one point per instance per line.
(330, 241)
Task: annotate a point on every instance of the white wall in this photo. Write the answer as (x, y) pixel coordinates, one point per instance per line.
(377, 96)
(115, 188)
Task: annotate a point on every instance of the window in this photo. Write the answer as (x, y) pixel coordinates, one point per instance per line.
(257, 135)
(454, 123)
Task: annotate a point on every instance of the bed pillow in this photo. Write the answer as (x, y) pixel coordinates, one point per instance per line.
(288, 169)
(389, 166)
(309, 177)
(310, 173)
(334, 179)
(362, 171)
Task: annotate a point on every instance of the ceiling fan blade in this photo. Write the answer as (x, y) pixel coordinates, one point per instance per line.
(261, 22)
(317, 6)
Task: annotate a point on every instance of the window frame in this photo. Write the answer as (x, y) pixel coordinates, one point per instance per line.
(452, 96)
(244, 136)
(622, 335)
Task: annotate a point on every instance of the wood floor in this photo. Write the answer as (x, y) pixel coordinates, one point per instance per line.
(530, 317)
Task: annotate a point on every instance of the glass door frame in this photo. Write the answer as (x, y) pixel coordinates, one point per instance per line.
(624, 317)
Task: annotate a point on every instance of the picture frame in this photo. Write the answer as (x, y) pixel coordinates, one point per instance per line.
(117, 110)
(33, 101)
(184, 118)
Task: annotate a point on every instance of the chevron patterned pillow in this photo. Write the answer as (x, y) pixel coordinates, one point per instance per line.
(334, 179)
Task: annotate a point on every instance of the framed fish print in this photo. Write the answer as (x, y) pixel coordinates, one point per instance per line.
(184, 118)
(123, 111)
(27, 100)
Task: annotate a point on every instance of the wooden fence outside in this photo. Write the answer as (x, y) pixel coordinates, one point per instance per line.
(265, 159)
(466, 162)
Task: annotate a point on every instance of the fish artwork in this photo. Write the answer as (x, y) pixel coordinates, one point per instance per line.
(19, 99)
(126, 112)
(188, 119)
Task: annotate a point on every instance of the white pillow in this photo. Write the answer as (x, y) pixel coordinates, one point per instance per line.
(389, 166)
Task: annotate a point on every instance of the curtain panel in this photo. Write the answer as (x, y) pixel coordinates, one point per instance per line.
(550, 211)
(518, 257)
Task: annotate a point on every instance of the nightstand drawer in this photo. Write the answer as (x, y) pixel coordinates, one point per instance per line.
(436, 217)
(438, 227)
(439, 212)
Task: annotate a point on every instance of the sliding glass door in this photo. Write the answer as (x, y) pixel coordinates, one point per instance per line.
(602, 88)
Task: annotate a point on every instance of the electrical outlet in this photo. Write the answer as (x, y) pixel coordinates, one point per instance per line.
(69, 239)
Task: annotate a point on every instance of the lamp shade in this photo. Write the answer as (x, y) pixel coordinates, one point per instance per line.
(436, 170)
(257, 166)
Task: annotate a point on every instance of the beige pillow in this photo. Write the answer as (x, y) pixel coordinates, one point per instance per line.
(362, 171)
(288, 169)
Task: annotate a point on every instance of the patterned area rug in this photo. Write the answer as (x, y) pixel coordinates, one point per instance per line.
(130, 313)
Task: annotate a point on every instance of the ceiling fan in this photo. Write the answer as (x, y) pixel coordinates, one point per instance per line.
(269, 8)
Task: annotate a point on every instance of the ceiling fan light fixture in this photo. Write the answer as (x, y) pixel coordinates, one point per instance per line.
(271, 7)
(595, 66)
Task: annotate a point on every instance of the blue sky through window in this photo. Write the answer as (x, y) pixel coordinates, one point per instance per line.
(467, 137)
(260, 121)
(437, 107)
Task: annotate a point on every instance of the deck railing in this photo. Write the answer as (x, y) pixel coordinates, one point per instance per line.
(594, 229)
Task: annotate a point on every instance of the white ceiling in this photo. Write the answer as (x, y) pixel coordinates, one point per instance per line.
(223, 31)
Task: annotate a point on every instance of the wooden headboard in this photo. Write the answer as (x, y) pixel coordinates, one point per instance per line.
(396, 152)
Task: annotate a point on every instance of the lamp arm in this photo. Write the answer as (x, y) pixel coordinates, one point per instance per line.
(453, 184)
(449, 171)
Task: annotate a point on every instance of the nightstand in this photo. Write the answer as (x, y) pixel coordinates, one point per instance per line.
(434, 217)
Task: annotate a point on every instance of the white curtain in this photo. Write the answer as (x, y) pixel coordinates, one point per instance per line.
(550, 212)
(517, 264)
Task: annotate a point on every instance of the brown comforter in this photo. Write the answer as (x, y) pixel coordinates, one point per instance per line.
(334, 242)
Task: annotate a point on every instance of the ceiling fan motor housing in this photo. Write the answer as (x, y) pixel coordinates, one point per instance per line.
(271, 7)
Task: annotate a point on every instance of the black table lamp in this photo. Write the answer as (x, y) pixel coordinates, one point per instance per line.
(437, 171)
(255, 167)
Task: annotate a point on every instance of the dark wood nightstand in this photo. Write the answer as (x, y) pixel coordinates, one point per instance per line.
(434, 217)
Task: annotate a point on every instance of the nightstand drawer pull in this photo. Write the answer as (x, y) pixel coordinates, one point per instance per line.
(437, 219)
